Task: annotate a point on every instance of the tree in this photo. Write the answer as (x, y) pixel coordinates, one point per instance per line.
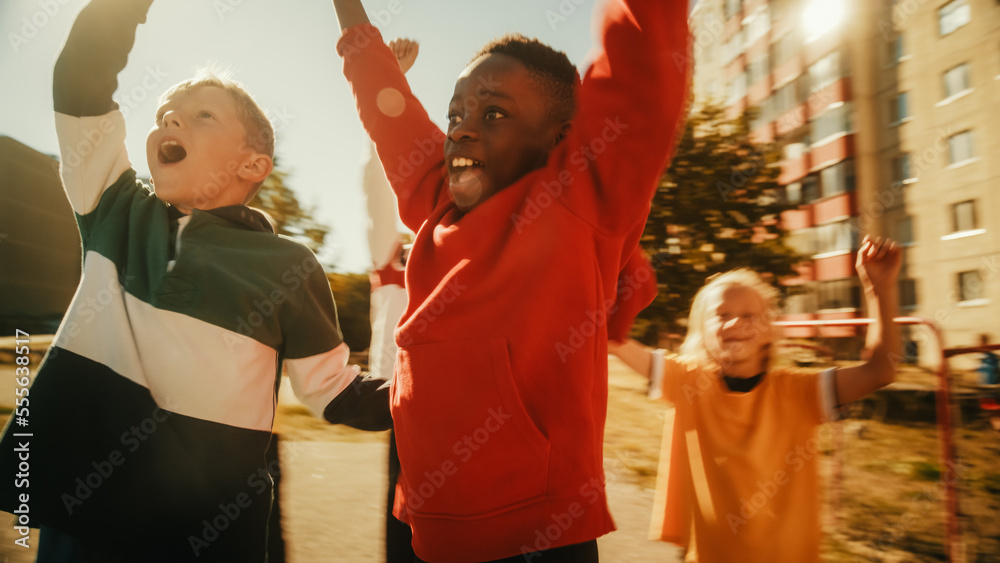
(717, 208)
(352, 293)
(290, 218)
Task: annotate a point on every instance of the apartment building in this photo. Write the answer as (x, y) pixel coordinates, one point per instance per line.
(885, 113)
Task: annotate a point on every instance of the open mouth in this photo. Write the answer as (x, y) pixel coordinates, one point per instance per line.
(171, 152)
(466, 181)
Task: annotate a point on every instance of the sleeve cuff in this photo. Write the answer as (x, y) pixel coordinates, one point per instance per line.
(357, 37)
(828, 401)
(656, 370)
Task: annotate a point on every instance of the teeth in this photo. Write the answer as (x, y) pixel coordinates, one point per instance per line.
(462, 162)
(166, 143)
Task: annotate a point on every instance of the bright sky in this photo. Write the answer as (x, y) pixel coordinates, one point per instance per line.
(283, 51)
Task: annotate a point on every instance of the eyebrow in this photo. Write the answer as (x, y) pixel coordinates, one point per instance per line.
(486, 94)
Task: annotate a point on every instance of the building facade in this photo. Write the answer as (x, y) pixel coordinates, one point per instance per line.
(886, 115)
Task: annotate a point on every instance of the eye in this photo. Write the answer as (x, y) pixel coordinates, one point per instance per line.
(454, 118)
(494, 114)
(205, 115)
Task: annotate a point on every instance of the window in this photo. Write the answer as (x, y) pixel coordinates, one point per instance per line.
(799, 299)
(733, 7)
(956, 80)
(960, 147)
(825, 71)
(757, 25)
(963, 216)
(793, 193)
(802, 241)
(832, 122)
(953, 15)
(839, 294)
(785, 98)
(737, 88)
(895, 50)
(836, 237)
(758, 69)
(904, 230)
(907, 293)
(837, 179)
(897, 108)
(785, 48)
(970, 286)
(732, 48)
(901, 172)
(810, 189)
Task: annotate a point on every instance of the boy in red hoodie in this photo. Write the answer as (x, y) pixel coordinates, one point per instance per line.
(525, 211)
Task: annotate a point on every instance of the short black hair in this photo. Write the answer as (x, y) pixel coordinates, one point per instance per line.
(551, 69)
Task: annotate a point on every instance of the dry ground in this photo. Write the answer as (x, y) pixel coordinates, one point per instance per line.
(889, 507)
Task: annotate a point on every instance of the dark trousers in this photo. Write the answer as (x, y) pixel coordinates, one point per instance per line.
(398, 537)
(585, 552)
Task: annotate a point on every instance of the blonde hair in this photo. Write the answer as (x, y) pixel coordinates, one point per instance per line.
(260, 132)
(694, 341)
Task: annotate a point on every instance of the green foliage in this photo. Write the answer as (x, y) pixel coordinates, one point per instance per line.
(352, 293)
(290, 218)
(924, 471)
(991, 483)
(717, 208)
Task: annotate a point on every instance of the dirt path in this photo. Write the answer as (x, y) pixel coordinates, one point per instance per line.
(335, 479)
(333, 508)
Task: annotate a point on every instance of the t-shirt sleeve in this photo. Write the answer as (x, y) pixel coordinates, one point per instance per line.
(672, 376)
(315, 354)
(810, 392)
(630, 105)
(409, 145)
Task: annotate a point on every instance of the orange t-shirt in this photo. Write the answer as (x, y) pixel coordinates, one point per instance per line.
(738, 470)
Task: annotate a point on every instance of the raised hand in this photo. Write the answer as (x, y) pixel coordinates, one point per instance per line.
(406, 52)
(878, 263)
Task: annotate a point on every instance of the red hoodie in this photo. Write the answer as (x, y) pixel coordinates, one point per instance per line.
(500, 392)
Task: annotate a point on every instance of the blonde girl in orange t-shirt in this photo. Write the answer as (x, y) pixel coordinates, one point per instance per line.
(738, 479)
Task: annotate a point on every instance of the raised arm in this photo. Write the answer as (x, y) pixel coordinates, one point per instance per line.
(350, 13)
(86, 72)
(410, 146)
(878, 267)
(630, 107)
(91, 133)
(383, 236)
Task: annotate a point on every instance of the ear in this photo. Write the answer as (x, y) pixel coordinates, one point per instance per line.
(561, 134)
(255, 168)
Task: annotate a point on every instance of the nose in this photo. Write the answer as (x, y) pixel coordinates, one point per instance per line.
(464, 130)
(738, 326)
(172, 118)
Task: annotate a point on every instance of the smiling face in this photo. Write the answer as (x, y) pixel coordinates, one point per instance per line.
(737, 330)
(198, 153)
(499, 129)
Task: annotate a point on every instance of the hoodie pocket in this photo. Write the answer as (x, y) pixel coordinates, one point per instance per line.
(466, 443)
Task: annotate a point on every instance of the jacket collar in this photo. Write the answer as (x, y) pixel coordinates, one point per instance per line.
(242, 215)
